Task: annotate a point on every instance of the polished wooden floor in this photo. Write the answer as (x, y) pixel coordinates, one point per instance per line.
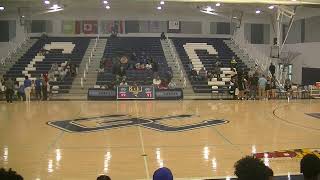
(125, 151)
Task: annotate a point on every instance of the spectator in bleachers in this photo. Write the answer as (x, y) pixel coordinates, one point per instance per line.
(162, 36)
(9, 90)
(202, 74)
(73, 70)
(233, 62)
(172, 85)
(210, 75)
(169, 75)
(38, 88)
(9, 175)
(123, 83)
(121, 75)
(162, 174)
(190, 66)
(163, 84)
(194, 75)
(156, 81)
(310, 167)
(272, 69)
(262, 82)
(27, 88)
(103, 177)
(250, 168)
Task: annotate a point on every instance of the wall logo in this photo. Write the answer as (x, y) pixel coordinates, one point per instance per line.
(121, 121)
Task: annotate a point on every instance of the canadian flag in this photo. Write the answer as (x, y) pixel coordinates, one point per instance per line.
(90, 27)
(87, 27)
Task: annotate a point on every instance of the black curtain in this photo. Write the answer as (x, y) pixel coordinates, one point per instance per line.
(310, 76)
(257, 34)
(4, 31)
(223, 28)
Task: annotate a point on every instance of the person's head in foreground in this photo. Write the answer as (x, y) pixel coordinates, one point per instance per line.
(162, 174)
(9, 175)
(103, 177)
(310, 167)
(251, 168)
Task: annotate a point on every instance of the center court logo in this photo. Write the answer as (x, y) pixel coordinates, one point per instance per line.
(108, 122)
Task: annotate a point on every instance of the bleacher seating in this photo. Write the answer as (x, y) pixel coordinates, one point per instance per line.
(61, 50)
(126, 45)
(204, 52)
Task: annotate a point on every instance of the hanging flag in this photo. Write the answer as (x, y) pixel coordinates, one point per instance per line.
(90, 27)
(68, 27)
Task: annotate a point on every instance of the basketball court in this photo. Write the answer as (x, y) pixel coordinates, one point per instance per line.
(131, 139)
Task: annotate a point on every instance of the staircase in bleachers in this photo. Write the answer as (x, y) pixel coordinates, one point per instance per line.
(62, 49)
(150, 45)
(207, 58)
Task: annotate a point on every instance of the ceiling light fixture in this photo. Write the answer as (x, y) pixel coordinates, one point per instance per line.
(23, 16)
(162, 2)
(218, 4)
(55, 6)
(258, 11)
(1, 8)
(105, 2)
(209, 12)
(159, 7)
(271, 7)
(47, 2)
(294, 0)
(55, 10)
(108, 7)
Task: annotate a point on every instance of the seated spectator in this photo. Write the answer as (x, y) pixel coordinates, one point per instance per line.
(210, 75)
(148, 66)
(203, 73)
(123, 83)
(172, 85)
(310, 167)
(9, 175)
(162, 36)
(55, 67)
(140, 66)
(194, 75)
(190, 66)
(169, 75)
(162, 174)
(156, 81)
(103, 177)
(163, 84)
(250, 168)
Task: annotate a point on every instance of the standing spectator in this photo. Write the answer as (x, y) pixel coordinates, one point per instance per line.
(38, 88)
(253, 83)
(162, 36)
(268, 88)
(27, 88)
(44, 88)
(162, 174)
(262, 87)
(272, 69)
(310, 167)
(155, 67)
(169, 75)
(21, 94)
(273, 87)
(9, 90)
(241, 86)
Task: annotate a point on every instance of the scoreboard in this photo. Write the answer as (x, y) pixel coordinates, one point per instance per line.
(135, 92)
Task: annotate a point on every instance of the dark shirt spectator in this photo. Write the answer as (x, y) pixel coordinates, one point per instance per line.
(250, 168)
(162, 36)
(27, 83)
(9, 84)
(310, 167)
(272, 69)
